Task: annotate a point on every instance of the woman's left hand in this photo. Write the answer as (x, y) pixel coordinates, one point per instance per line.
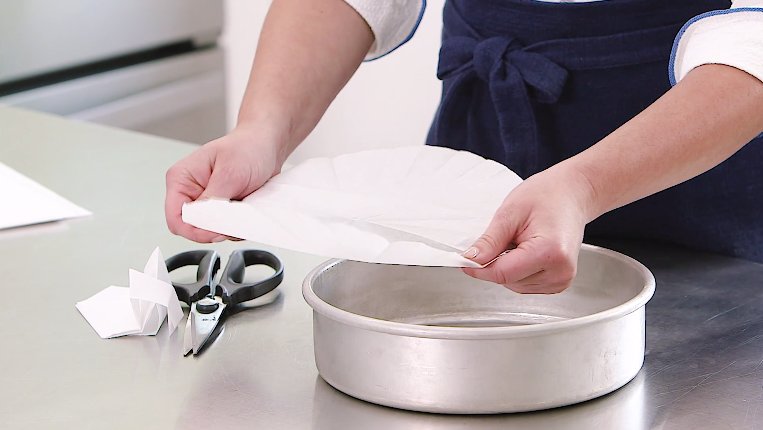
(544, 217)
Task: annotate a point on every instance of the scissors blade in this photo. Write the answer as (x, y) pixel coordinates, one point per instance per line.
(203, 324)
(187, 341)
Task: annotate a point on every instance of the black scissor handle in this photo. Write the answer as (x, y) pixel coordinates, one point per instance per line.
(208, 262)
(233, 291)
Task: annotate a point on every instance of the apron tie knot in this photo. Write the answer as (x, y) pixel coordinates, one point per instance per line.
(514, 76)
(489, 54)
(503, 60)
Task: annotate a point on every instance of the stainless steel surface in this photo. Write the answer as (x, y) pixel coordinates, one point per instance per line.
(181, 97)
(435, 340)
(704, 333)
(41, 36)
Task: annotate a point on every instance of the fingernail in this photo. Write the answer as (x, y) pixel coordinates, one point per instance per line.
(219, 239)
(471, 253)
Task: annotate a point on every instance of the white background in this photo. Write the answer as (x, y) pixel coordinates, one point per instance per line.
(389, 102)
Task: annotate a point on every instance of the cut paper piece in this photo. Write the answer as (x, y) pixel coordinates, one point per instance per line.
(138, 310)
(418, 206)
(25, 202)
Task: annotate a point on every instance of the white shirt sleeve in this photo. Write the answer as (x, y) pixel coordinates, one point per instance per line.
(393, 22)
(733, 37)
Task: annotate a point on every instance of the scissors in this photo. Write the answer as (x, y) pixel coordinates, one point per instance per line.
(208, 299)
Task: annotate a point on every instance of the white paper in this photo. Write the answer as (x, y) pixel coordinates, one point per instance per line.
(25, 202)
(418, 205)
(138, 310)
(110, 312)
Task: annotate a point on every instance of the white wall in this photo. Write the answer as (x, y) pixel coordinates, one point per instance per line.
(389, 102)
(243, 21)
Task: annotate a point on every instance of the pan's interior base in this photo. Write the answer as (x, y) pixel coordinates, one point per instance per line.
(482, 319)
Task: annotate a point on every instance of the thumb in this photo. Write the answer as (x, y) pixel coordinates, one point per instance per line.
(496, 239)
(222, 185)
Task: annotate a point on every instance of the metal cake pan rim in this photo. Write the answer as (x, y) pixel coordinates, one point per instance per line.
(479, 333)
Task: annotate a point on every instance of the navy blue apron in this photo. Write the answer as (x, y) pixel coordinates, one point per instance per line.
(530, 83)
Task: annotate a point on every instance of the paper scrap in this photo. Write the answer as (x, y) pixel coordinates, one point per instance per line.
(25, 202)
(138, 310)
(419, 205)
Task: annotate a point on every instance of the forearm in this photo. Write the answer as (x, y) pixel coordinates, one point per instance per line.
(307, 52)
(706, 118)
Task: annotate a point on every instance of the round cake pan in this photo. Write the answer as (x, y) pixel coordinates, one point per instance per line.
(435, 340)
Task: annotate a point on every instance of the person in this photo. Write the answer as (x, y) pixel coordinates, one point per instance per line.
(575, 97)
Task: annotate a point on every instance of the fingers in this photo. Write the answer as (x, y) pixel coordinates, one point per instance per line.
(540, 283)
(496, 239)
(182, 187)
(511, 267)
(544, 260)
(226, 182)
(226, 168)
(546, 223)
(536, 266)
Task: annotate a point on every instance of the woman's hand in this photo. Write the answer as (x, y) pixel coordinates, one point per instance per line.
(230, 167)
(544, 217)
(306, 53)
(703, 120)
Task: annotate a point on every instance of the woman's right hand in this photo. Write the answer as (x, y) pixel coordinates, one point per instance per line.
(230, 167)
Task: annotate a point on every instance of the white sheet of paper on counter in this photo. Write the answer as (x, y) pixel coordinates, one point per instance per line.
(419, 205)
(138, 310)
(25, 202)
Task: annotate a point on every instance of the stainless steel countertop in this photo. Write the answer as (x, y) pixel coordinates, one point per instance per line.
(703, 370)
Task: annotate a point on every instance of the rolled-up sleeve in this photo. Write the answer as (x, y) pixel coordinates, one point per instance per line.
(733, 37)
(392, 22)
